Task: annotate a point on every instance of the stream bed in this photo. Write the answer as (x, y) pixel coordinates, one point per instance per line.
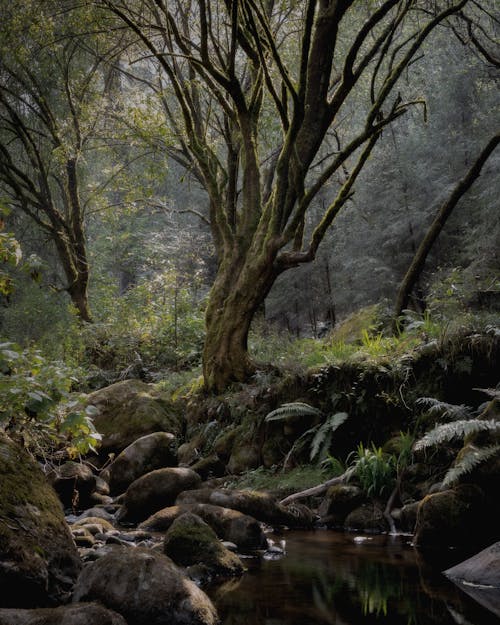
(328, 577)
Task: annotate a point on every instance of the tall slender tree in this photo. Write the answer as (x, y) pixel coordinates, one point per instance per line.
(254, 92)
(52, 106)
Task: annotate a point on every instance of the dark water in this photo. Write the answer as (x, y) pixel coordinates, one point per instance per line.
(342, 579)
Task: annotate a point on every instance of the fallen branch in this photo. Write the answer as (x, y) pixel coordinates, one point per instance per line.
(317, 490)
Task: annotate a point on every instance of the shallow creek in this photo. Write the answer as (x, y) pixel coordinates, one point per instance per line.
(335, 578)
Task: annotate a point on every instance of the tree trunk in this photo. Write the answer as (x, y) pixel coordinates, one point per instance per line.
(239, 290)
(436, 227)
(79, 297)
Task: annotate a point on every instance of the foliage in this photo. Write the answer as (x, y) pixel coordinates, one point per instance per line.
(319, 437)
(37, 406)
(297, 478)
(10, 254)
(463, 425)
(374, 469)
(447, 432)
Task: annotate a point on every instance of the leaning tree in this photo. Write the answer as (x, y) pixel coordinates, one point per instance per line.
(269, 103)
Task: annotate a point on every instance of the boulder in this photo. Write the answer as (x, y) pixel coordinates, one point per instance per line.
(483, 569)
(209, 467)
(339, 501)
(451, 518)
(230, 525)
(130, 409)
(368, 517)
(190, 541)
(39, 562)
(74, 483)
(146, 454)
(156, 490)
(479, 577)
(261, 506)
(146, 588)
(77, 614)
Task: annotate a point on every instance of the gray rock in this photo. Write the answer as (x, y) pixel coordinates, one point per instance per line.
(77, 614)
(479, 577)
(74, 482)
(156, 490)
(146, 454)
(146, 588)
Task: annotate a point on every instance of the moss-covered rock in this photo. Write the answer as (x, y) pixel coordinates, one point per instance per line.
(38, 559)
(453, 518)
(146, 588)
(339, 501)
(190, 541)
(130, 409)
(146, 454)
(368, 517)
(156, 490)
(231, 525)
(263, 507)
(209, 467)
(77, 614)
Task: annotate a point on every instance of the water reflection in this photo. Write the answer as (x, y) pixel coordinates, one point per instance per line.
(327, 578)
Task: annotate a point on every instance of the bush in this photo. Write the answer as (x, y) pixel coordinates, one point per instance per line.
(37, 407)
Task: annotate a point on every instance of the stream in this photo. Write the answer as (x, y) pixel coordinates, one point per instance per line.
(335, 578)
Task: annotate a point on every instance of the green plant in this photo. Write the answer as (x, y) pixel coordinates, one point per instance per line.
(37, 406)
(464, 425)
(374, 469)
(319, 437)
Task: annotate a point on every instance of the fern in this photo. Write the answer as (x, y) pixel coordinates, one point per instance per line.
(323, 437)
(293, 409)
(456, 429)
(444, 410)
(468, 462)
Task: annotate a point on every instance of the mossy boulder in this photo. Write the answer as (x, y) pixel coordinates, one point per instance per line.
(231, 525)
(209, 467)
(38, 560)
(339, 501)
(74, 482)
(77, 614)
(245, 456)
(146, 454)
(156, 490)
(190, 541)
(369, 517)
(453, 518)
(146, 588)
(263, 507)
(130, 409)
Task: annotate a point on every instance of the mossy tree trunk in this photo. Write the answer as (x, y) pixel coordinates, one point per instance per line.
(254, 124)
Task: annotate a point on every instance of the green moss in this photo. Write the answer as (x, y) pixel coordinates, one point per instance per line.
(190, 541)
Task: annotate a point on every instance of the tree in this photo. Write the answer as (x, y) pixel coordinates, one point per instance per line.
(52, 106)
(437, 225)
(255, 121)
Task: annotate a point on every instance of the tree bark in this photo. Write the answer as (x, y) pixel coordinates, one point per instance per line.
(436, 227)
(239, 290)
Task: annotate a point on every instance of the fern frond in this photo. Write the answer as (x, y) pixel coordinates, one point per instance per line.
(494, 393)
(456, 429)
(293, 409)
(445, 410)
(469, 461)
(323, 436)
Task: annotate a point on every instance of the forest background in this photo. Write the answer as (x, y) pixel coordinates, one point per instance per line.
(86, 129)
